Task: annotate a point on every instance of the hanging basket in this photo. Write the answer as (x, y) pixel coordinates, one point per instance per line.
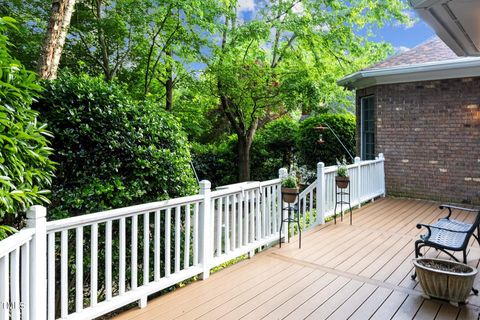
(342, 182)
(289, 195)
(445, 279)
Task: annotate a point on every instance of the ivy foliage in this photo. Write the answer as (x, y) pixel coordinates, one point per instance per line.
(111, 152)
(310, 151)
(25, 167)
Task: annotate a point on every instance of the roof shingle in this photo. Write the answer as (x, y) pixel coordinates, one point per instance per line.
(432, 50)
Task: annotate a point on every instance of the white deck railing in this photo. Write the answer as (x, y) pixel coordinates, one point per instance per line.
(126, 254)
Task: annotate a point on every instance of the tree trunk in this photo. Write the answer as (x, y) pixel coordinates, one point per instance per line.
(169, 82)
(55, 36)
(243, 158)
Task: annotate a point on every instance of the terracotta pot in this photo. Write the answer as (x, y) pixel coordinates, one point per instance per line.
(289, 195)
(454, 285)
(342, 182)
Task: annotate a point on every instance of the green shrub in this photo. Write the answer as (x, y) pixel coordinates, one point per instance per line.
(310, 151)
(25, 168)
(111, 151)
(216, 162)
(273, 148)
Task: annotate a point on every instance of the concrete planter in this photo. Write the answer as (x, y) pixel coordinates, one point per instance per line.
(445, 279)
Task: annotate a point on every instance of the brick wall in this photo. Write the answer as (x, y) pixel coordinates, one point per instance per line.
(429, 132)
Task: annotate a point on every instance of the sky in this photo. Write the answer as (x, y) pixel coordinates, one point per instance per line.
(401, 37)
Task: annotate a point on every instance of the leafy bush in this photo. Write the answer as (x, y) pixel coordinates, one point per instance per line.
(111, 151)
(273, 148)
(216, 162)
(25, 168)
(310, 151)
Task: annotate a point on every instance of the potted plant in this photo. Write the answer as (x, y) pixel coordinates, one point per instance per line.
(342, 179)
(289, 188)
(445, 279)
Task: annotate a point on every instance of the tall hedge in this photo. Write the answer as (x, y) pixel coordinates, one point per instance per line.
(25, 167)
(310, 151)
(111, 152)
(273, 148)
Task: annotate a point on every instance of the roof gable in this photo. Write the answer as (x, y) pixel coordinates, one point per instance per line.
(432, 50)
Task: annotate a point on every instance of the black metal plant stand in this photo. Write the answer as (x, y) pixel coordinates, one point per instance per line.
(291, 218)
(340, 201)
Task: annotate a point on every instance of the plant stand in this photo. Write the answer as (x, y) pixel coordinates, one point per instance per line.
(293, 216)
(340, 194)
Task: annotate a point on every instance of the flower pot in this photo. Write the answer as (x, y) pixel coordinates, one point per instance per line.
(342, 182)
(445, 279)
(289, 195)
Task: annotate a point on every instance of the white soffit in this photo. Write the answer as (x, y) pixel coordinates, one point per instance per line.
(456, 22)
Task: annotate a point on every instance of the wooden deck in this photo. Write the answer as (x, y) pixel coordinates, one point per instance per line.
(342, 272)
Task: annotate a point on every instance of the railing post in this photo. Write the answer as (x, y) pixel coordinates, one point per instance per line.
(320, 201)
(205, 229)
(36, 218)
(282, 173)
(359, 183)
(382, 173)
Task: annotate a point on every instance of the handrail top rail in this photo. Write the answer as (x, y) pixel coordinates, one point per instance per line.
(331, 169)
(308, 189)
(16, 240)
(243, 186)
(113, 214)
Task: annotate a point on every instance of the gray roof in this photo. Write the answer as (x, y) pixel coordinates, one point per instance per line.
(432, 50)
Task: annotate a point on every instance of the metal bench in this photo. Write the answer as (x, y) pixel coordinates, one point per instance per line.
(449, 234)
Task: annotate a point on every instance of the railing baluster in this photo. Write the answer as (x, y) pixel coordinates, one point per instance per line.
(304, 211)
(227, 224)
(15, 282)
(177, 239)
(146, 248)
(122, 257)
(156, 247)
(269, 212)
(310, 203)
(25, 286)
(233, 240)
(276, 209)
(64, 274)
(258, 212)
(168, 219)
(240, 219)
(51, 275)
(252, 216)
(4, 290)
(246, 216)
(218, 228)
(94, 265)
(108, 260)
(195, 233)
(186, 250)
(79, 270)
(134, 257)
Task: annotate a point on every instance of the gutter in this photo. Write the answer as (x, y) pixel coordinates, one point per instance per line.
(456, 68)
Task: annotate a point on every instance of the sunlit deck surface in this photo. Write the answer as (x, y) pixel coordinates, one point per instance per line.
(341, 272)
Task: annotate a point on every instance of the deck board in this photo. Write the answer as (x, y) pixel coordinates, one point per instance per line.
(342, 272)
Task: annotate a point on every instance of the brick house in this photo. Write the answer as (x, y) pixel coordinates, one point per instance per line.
(421, 109)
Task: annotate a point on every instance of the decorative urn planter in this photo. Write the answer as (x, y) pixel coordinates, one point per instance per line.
(289, 195)
(342, 182)
(445, 279)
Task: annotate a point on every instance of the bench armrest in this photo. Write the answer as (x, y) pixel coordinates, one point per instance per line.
(429, 230)
(450, 207)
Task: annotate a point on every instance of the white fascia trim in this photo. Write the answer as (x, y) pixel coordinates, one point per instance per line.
(449, 69)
